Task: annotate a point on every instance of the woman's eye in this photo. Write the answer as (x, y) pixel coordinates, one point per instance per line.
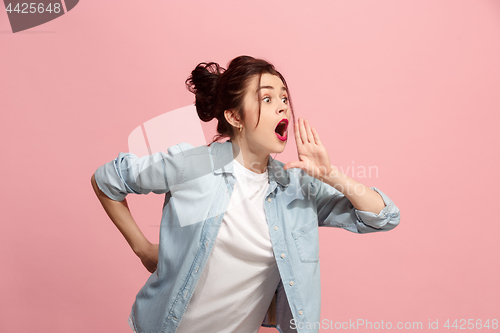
(266, 99)
(285, 100)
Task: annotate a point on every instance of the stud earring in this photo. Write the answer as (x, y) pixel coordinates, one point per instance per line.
(240, 127)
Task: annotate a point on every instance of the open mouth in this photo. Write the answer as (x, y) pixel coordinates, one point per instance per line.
(281, 129)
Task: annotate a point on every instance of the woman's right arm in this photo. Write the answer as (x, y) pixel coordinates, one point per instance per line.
(128, 173)
(119, 213)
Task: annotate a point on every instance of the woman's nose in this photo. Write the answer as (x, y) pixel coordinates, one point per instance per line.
(283, 108)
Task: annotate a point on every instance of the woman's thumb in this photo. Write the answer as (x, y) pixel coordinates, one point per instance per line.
(295, 164)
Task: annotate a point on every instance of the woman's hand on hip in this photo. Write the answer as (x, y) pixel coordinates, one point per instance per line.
(149, 256)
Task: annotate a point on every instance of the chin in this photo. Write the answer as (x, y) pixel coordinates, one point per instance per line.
(271, 147)
(280, 149)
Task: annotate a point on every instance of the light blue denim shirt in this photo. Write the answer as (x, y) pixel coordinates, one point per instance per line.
(198, 183)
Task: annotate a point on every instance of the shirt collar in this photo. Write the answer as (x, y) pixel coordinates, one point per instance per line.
(223, 163)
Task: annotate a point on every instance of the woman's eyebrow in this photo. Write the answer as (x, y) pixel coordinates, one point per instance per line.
(269, 87)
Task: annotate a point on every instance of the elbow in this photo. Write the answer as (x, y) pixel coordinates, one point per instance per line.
(385, 222)
(390, 221)
(93, 182)
(393, 221)
(96, 188)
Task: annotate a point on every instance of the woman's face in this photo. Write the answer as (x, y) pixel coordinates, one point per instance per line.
(268, 137)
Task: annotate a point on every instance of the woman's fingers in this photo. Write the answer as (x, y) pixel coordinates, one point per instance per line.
(305, 131)
(316, 136)
(310, 136)
(298, 139)
(302, 130)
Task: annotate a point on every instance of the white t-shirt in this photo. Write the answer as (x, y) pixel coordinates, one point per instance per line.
(241, 275)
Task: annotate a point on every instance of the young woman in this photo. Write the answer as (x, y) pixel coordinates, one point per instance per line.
(239, 232)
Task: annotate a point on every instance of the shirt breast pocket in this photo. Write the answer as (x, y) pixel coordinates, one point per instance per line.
(306, 240)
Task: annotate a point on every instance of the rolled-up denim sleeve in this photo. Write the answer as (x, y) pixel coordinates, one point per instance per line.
(335, 210)
(129, 173)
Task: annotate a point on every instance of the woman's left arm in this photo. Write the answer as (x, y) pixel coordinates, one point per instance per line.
(341, 201)
(362, 197)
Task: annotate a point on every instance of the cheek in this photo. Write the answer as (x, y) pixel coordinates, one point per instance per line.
(266, 127)
(252, 116)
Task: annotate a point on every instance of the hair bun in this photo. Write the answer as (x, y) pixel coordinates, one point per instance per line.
(203, 83)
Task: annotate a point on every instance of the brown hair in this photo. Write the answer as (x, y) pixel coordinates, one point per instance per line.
(218, 89)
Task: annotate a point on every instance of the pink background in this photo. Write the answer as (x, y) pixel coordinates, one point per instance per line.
(411, 87)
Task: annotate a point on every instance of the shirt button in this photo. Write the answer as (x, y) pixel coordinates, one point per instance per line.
(275, 228)
(282, 255)
(269, 199)
(291, 283)
(300, 312)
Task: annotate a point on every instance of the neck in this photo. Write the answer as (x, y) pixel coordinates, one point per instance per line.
(252, 160)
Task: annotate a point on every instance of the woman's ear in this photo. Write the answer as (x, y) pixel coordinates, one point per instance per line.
(232, 118)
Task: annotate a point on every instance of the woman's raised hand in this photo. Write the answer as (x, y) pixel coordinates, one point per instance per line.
(313, 157)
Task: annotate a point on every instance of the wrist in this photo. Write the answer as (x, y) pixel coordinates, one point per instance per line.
(140, 247)
(333, 177)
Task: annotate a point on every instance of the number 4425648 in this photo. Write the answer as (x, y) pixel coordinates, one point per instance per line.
(463, 324)
(34, 8)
